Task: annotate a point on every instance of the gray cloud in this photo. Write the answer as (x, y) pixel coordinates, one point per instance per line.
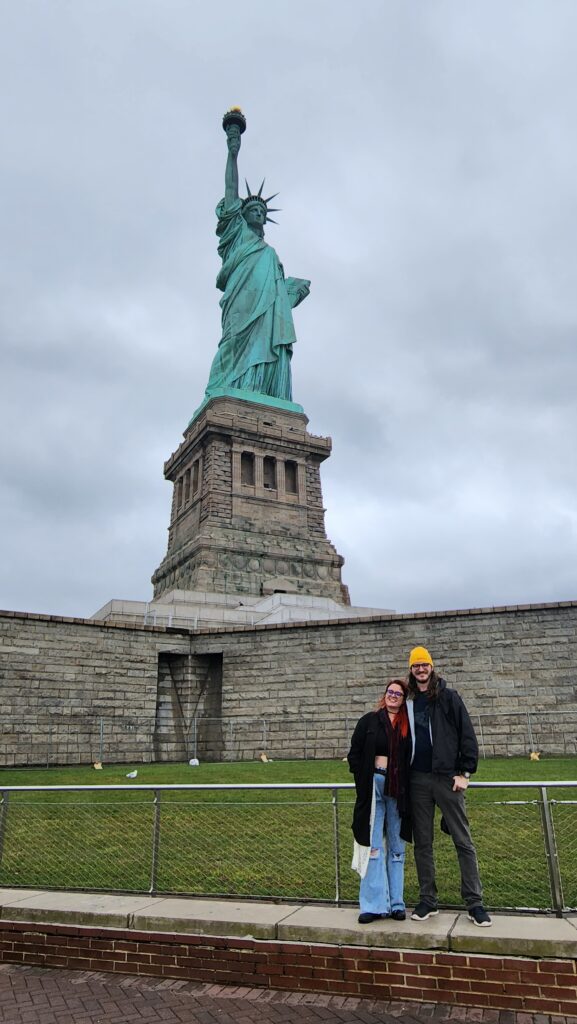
(426, 162)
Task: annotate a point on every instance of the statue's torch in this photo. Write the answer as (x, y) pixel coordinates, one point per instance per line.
(235, 117)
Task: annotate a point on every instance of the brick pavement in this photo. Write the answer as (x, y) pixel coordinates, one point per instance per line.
(35, 995)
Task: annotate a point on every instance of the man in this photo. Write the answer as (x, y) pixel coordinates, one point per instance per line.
(445, 755)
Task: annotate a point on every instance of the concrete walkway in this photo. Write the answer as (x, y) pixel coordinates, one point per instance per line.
(511, 935)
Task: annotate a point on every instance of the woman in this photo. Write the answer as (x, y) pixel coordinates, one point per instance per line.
(379, 760)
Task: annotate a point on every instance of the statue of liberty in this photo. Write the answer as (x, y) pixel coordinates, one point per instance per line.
(255, 350)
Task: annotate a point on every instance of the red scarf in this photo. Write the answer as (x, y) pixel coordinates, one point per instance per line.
(399, 743)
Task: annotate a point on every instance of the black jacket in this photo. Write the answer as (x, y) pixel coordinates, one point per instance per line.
(455, 748)
(361, 758)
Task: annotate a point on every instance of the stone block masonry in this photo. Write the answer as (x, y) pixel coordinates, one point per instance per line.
(60, 678)
(505, 662)
(247, 512)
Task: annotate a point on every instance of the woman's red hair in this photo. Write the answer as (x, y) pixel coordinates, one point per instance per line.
(401, 719)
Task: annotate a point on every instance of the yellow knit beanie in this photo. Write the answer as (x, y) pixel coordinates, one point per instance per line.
(418, 655)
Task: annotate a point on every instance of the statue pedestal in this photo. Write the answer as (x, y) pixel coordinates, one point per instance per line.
(248, 396)
(247, 513)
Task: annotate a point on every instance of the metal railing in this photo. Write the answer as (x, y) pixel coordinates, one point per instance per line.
(286, 736)
(266, 841)
(61, 738)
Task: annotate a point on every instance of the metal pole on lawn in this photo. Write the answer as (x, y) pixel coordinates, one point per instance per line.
(335, 794)
(3, 816)
(482, 737)
(530, 732)
(551, 853)
(155, 842)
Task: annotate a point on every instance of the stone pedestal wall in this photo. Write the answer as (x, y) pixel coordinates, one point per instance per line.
(71, 687)
(247, 512)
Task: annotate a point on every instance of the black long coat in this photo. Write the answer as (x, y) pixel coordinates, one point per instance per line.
(361, 758)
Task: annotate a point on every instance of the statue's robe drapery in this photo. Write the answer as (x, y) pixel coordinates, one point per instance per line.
(255, 350)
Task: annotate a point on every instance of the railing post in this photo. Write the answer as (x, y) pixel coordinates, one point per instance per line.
(3, 816)
(551, 854)
(155, 843)
(335, 802)
(530, 732)
(482, 737)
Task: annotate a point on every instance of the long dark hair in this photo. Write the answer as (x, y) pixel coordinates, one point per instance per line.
(432, 690)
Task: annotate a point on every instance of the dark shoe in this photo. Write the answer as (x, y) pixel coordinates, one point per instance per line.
(479, 916)
(423, 911)
(367, 918)
(398, 915)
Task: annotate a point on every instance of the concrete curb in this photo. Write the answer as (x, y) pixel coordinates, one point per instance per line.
(510, 934)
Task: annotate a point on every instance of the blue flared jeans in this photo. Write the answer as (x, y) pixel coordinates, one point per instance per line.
(382, 887)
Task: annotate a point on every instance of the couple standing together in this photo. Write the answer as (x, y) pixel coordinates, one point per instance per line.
(415, 752)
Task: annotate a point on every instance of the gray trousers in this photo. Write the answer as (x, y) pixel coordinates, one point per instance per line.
(430, 790)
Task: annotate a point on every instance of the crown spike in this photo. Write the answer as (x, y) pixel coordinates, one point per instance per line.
(272, 220)
(274, 209)
(257, 197)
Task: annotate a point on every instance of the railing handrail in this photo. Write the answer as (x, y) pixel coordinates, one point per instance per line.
(538, 796)
(153, 787)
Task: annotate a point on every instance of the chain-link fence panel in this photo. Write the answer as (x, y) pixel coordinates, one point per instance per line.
(69, 739)
(510, 849)
(510, 845)
(282, 849)
(310, 737)
(517, 733)
(508, 837)
(284, 843)
(65, 843)
(61, 738)
(564, 813)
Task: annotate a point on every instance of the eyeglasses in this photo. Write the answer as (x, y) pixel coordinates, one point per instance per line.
(395, 694)
(422, 664)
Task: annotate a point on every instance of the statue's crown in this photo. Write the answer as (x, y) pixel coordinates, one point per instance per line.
(258, 197)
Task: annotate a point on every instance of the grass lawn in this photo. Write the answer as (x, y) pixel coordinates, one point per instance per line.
(266, 843)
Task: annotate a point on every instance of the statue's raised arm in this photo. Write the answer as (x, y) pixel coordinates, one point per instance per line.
(231, 174)
(255, 350)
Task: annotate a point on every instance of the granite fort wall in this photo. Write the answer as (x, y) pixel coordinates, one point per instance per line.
(505, 662)
(72, 691)
(291, 689)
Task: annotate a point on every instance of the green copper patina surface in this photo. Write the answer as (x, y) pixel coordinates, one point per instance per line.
(253, 359)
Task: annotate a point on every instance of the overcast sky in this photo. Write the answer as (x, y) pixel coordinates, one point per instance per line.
(426, 157)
